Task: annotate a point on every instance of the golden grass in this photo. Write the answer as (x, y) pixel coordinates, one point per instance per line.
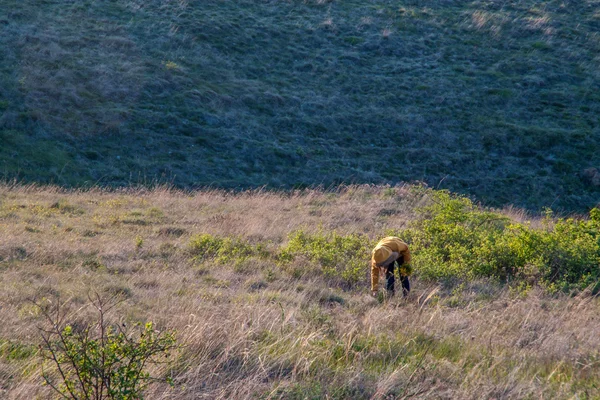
(263, 333)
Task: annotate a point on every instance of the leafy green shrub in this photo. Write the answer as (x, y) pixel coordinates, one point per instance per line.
(567, 254)
(108, 364)
(453, 240)
(345, 257)
(224, 249)
(456, 240)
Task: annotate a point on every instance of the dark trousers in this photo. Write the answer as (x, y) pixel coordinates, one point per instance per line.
(391, 279)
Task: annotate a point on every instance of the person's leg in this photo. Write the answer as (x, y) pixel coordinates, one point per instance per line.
(389, 274)
(405, 285)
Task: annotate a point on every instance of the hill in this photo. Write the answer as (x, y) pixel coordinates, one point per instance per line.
(262, 311)
(494, 99)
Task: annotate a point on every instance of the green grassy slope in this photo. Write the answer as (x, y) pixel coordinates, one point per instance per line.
(495, 99)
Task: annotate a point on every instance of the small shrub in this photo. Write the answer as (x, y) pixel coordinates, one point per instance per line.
(340, 257)
(224, 249)
(205, 245)
(108, 364)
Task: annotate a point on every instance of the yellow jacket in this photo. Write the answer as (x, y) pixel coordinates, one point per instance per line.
(392, 244)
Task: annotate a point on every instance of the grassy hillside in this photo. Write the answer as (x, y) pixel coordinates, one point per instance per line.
(208, 264)
(494, 99)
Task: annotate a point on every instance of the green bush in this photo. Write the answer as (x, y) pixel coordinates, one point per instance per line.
(455, 240)
(224, 249)
(101, 361)
(339, 257)
(568, 254)
(444, 241)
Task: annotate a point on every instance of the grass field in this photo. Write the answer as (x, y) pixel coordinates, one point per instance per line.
(499, 100)
(251, 327)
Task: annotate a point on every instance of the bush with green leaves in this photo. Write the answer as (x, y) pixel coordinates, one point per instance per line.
(453, 240)
(565, 254)
(100, 361)
(224, 249)
(342, 257)
(456, 240)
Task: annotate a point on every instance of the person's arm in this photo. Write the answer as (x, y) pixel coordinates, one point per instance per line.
(374, 277)
(405, 269)
(406, 255)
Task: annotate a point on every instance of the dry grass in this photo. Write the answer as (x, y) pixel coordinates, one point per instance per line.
(263, 333)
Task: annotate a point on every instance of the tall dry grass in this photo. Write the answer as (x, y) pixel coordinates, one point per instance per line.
(261, 332)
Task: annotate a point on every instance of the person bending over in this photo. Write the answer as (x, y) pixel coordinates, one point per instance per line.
(390, 254)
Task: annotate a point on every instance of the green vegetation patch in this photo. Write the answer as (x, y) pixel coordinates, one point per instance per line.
(13, 350)
(339, 256)
(452, 241)
(224, 249)
(456, 240)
